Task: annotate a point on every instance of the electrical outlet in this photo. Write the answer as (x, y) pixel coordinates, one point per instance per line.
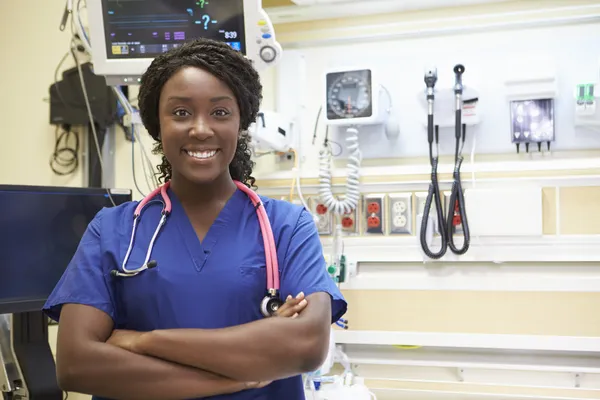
(349, 222)
(456, 222)
(400, 213)
(323, 217)
(373, 213)
(420, 199)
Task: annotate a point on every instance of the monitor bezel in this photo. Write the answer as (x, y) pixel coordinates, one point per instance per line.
(13, 306)
(132, 69)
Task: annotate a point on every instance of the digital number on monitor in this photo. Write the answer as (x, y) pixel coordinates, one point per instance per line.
(145, 29)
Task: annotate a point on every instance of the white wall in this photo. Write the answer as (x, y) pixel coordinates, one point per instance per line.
(490, 59)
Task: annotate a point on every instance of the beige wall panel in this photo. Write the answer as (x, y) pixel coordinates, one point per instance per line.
(534, 392)
(579, 211)
(519, 313)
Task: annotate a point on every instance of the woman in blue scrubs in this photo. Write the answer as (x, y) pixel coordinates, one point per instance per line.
(191, 327)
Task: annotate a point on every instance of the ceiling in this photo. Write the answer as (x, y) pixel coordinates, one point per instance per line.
(409, 4)
(286, 11)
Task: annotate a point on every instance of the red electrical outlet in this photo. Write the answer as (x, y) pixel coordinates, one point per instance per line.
(349, 222)
(322, 216)
(456, 220)
(373, 208)
(321, 209)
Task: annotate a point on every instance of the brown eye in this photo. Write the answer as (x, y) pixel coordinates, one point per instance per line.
(181, 113)
(221, 113)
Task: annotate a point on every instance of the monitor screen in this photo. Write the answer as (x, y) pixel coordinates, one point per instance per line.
(145, 29)
(40, 229)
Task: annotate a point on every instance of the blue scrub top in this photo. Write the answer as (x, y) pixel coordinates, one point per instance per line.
(214, 284)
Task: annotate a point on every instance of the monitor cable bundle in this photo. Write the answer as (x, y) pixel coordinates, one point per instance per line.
(434, 191)
(457, 214)
(65, 157)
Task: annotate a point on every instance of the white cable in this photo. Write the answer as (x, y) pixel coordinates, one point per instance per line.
(473, 160)
(298, 173)
(76, 17)
(352, 196)
(147, 165)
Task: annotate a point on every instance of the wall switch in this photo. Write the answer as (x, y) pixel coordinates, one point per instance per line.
(322, 216)
(373, 213)
(400, 213)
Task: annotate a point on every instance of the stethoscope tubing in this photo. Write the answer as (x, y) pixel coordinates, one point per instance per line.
(272, 267)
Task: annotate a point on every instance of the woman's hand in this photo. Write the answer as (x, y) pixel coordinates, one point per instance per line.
(292, 306)
(125, 339)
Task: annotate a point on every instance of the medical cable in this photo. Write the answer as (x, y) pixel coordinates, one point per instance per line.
(298, 172)
(146, 162)
(133, 167)
(433, 194)
(85, 96)
(78, 33)
(456, 204)
(91, 117)
(352, 195)
(64, 155)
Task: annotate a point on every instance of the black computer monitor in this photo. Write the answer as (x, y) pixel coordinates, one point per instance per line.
(40, 229)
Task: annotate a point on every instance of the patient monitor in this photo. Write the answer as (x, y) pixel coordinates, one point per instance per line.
(126, 36)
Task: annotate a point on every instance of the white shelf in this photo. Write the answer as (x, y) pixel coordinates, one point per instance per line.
(472, 341)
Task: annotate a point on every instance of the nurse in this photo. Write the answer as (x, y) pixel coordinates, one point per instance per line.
(192, 327)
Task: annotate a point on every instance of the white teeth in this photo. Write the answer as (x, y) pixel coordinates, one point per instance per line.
(201, 154)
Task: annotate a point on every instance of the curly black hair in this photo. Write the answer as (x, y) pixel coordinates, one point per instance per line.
(228, 65)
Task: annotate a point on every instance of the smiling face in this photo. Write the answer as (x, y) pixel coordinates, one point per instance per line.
(199, 125)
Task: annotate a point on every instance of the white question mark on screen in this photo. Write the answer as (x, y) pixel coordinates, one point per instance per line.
(206, 19)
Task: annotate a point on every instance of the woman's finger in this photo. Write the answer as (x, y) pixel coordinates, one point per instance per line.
(290, 307)
(285, 306)
(299, 307)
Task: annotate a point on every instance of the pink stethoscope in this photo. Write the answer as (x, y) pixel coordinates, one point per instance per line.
(270, 303)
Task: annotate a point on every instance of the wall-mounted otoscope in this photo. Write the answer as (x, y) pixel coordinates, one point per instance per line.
(457, 214)
(434, 191)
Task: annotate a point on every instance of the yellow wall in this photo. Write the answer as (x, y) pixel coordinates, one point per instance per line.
(32, 46)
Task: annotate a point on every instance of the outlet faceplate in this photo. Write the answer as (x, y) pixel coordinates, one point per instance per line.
(458, 227)
(420, 199)
(323, 217)
(400, 213)
(373, 213)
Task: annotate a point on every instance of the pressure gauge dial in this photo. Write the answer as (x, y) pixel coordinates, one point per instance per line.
(349, 94)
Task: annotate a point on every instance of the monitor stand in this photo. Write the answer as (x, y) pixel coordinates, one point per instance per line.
(27, 370)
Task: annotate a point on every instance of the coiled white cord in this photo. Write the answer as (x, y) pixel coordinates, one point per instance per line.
(352, 196)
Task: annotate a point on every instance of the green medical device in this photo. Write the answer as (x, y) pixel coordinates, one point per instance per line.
(585, 93)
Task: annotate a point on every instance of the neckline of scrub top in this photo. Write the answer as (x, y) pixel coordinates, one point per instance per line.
(200, 250)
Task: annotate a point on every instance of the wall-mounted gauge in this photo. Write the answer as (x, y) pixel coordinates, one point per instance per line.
(349, 95)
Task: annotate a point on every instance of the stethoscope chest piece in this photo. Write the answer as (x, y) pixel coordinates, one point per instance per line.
(269, 305)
